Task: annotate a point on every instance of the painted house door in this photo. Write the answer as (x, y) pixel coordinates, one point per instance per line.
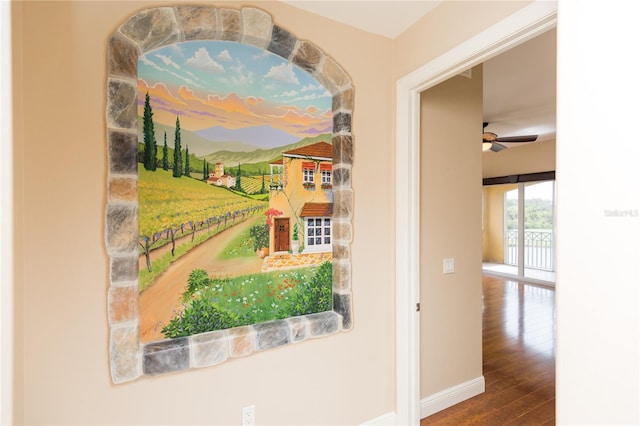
(281, 234)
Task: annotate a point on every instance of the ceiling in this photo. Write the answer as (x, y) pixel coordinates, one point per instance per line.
(519, 85)
(377, 18)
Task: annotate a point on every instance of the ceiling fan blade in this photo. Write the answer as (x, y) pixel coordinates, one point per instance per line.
(514, 139)
(496, 147)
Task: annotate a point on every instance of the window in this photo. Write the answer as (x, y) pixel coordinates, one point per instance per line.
(307, 175)
(529, 227)
(318, 233)
(326, 177)
(277, 176)
(308, 169)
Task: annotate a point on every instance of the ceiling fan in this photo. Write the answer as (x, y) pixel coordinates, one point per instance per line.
(490, 141)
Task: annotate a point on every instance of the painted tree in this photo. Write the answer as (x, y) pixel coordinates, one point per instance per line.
(187, 167)
(205, 170)
(165, 153)
(149, 135)
(177, 152)
(145, 243)
(238, 183)
(262, 190)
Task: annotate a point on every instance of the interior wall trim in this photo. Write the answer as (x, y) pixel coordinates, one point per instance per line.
(384, 420)
(451, 396)
(6, 221)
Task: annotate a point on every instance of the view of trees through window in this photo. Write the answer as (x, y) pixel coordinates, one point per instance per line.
(538, 213)
(537, 233)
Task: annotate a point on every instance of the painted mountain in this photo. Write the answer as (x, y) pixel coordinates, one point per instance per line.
(229, 152)
(198, 145)
(261, 137)
(233, 158)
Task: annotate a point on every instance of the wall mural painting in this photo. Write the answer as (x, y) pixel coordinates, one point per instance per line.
(234, 189)
(229, 196)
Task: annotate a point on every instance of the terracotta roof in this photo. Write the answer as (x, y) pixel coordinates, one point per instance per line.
(317, 150)
(278, 162)
(317, 210)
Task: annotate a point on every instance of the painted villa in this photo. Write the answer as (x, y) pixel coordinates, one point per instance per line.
(218, 178)
(301, 189)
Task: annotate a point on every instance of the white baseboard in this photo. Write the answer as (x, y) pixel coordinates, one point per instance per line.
(383, 420)
(436, 402)
(452, 396)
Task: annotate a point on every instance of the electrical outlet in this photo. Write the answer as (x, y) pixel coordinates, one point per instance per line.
(249, 415)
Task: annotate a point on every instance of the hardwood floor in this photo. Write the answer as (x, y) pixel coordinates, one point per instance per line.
(518, 359)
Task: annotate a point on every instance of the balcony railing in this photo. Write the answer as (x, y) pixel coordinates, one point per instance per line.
(538, 249)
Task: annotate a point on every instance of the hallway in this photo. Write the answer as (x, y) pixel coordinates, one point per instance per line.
(518, 359)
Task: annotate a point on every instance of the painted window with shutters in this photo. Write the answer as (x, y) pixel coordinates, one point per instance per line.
(325, 175)
(308, 172)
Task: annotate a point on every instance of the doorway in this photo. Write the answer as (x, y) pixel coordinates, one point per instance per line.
(531, 21)
(281, 234)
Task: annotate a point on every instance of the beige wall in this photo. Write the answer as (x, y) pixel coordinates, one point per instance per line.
(493, 222)
(448, 25)
(61, 358)
(450, 227)
(61, 264)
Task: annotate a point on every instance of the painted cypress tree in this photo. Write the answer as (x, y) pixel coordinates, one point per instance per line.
(177, 152)
(262, 190)
(238, 184)
(165, 154)
(154, 155)
(205, 170)
(150, 149)
(187, 167)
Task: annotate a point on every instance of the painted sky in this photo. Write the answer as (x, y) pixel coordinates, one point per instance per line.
(219, 83)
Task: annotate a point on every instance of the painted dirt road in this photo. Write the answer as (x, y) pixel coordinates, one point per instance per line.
(158, 302)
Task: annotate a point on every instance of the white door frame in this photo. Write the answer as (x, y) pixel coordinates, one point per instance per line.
(523, 25)
(6, 219)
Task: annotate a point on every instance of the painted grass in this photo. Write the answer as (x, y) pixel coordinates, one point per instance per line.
(259, 296)
(215, 304)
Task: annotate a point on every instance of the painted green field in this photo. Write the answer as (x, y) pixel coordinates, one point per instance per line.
(166, 202)
(253, 184)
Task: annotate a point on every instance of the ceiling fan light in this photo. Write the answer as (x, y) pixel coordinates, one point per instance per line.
(486, 146)
(489, 136)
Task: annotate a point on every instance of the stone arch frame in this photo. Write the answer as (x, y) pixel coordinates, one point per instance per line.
(148, 30)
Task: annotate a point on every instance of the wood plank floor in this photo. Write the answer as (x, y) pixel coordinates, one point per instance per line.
(518, 359)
